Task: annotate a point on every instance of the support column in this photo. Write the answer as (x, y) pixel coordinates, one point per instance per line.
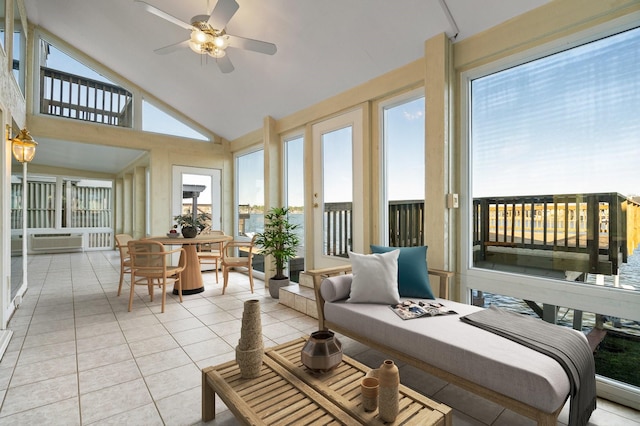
(438, 219)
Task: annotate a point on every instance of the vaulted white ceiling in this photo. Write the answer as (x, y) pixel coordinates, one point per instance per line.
(324, 48)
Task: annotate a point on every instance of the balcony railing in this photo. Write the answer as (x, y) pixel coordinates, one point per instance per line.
(592, 233)
(72, 96)
(406, 226)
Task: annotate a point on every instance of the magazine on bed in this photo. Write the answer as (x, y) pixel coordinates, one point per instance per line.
(409, 309)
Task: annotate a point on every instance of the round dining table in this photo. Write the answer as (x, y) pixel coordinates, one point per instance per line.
(191, 276)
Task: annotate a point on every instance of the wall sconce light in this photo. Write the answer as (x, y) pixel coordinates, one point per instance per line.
(23, 146)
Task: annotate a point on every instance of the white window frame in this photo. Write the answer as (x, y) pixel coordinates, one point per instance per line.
(590, 298)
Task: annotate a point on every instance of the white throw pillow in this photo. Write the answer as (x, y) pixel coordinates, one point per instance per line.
(375, 278)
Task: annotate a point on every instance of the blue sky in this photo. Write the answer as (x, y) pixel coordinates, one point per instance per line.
(566, 124)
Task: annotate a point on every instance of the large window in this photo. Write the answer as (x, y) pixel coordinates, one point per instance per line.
(403, 160)
(553, 222)
(294, 193)
(250, 193)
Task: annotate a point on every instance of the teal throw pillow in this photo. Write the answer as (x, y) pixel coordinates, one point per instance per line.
(413, 277)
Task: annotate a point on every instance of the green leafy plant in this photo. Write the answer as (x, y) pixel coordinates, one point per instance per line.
(200, 222)
(278, 239)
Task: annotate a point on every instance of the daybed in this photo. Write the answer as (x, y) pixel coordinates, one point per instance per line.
(505, 372)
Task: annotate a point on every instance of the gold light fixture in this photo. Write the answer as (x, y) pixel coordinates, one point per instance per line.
(207, 40)
(23, 146)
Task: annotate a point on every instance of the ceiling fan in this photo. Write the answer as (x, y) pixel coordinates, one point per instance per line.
(209, 36)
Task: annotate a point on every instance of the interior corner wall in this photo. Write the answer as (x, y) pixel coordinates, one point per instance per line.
(437, 52)
(127, 204)
(139, 194)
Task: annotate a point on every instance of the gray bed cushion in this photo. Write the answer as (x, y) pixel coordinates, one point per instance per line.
(466, 351)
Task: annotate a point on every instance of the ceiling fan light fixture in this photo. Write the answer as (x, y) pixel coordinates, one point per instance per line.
(200, 37)
(217, 53)
(197, 47)
(221, 42)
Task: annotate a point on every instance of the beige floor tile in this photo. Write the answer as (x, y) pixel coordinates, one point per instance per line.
(194, 335)
(129, 322)
(61, 413)
(173, 381)
(162, 361)
(42, 353)
(276, 330)
(43, 370)
(108, 375)
(182, 324)
(209, 308)
(101, 357)
(107, 402)
(100, 342)
(51, 326)
(216, 317)
(207, 349)
(33, 395)
(145, 332)
(183, 408)
(226, 327)
(146, 415)
(67, 335)
(153, 345)
(84, 331)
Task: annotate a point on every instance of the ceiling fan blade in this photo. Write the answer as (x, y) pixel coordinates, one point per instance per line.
(254, 45)
(163, 15)
(222, 13)
(172, 47)
(225, 64)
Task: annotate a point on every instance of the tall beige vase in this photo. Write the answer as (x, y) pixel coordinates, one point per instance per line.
(388, 395)
(250, 346)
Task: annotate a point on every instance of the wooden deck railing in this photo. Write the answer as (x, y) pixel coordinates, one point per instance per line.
(601, 229)
(406, 226)
(72, 96)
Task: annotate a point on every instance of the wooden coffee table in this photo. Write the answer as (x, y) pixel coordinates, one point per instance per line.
(287, 393)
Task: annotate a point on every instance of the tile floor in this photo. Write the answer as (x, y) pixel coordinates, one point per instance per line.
(78, 357)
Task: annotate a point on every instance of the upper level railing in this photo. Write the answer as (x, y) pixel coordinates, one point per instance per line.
(601, 229)
(72, 96)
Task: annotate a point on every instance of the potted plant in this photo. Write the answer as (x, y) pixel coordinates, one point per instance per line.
(280, 241)
(190, 225)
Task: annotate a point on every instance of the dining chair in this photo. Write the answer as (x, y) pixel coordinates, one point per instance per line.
(211, 253)
(122, 241)
(232, 260)
(151, 264)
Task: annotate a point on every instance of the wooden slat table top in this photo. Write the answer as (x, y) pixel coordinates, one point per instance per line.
(286, 393)
(342, 386)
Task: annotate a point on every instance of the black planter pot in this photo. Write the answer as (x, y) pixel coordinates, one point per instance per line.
(189, 231)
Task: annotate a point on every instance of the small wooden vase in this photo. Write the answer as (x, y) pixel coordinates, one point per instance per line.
(388, 395)
(250, 346)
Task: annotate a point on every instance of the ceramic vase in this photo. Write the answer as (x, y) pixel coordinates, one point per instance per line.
(388, 395)
(250, 346)
(369, 388)
(322, 352)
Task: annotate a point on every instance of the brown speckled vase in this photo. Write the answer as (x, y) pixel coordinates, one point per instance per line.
(250, 346)
(388, 394)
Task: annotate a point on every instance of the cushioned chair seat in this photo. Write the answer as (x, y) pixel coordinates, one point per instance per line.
(451, 345)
